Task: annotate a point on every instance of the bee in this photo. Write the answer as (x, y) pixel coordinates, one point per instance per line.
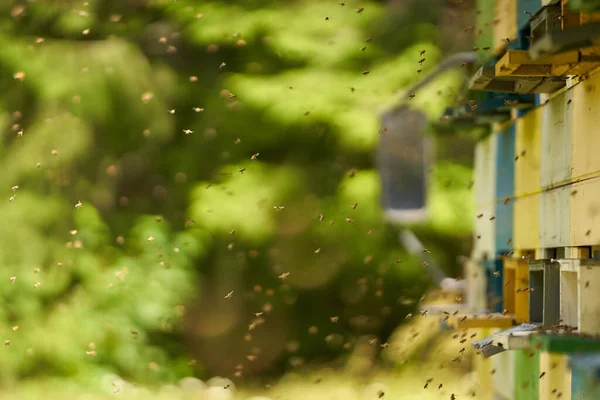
(492, 218)
(363, 48)
(321, 217)
(354, 206)
(228, 295)
(421, 61)
(426, 251)
(365, 73)
(334, 319)
(278, 208)
(412, 96)
(360, 10)
(479, 216)
(254, 156)
(241, 171)
(284, 275)
(421, 52)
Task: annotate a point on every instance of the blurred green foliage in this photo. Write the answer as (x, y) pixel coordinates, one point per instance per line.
(95, 99)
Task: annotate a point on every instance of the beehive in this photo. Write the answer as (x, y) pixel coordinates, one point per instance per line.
(585, 193)
(555, 165)
(505, 186)
(515, 288)
(526, 219)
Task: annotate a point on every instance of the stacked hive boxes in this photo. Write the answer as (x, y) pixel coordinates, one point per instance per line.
(537, 188)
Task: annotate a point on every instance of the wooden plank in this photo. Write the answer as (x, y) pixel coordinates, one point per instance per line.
(586, 119)
(556, 376)
(555, 165)
(527, 371)
(505, 170)
(564, 344)
(556, 128)
(495, 288)
(504, 376)
(505, 20)
(519, 63)
(496, 320)
(527, 180)
(526, 222)
(516, 285)
(485, 196)
(579, 285)
(571, 39)
(584, 379)
(482, 366)
(513, 341)
(484, 36)
(476, 285)
(589, 301)
(585, 213)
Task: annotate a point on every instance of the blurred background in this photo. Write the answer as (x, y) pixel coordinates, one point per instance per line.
(190, 191)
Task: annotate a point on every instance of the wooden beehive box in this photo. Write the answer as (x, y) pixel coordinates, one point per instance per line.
(584, 5)
(516, 288)
(494, 277)
(555, 351)
(579, 300)
(526, 219)
(545, 22)
(505, 187)
(544, 303)
(518, 63)
(556, 165)
(505, 24)
(484, 188)
(585, 380)
(485, 79)
(585, 192)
